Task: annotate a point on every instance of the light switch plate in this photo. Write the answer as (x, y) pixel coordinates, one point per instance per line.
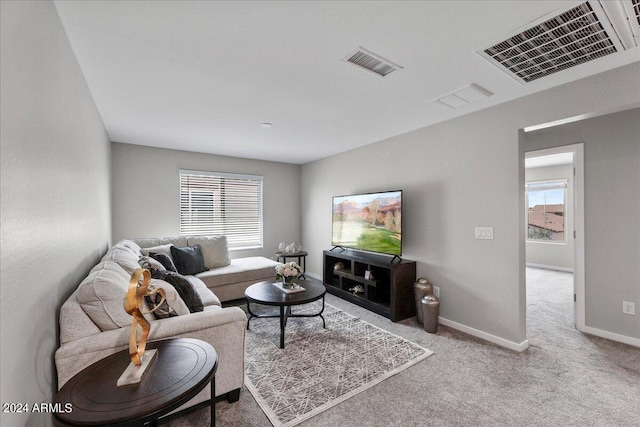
(484, 233)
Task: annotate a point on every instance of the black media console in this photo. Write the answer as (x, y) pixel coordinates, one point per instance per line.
(387, 289)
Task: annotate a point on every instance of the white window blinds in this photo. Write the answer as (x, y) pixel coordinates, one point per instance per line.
(218, 203)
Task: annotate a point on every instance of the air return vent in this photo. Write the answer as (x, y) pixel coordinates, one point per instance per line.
(576, 36)
(636, 10)
(372, 62)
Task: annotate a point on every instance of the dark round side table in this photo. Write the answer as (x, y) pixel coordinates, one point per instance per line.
(180, 370)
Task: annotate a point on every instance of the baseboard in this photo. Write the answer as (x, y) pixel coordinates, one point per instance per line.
(550, 267)
(519, 347)
(611, 336)
(314, 276)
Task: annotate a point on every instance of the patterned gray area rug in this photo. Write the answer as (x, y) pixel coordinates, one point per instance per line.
(319, 368)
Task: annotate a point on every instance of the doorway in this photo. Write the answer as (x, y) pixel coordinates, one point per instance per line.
(554, 194)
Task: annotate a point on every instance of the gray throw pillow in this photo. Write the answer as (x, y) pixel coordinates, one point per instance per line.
(164, 260)
(189, 260)
(184, 288)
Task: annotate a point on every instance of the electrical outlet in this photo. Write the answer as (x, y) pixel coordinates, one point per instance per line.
(436, 292)
(629, 308)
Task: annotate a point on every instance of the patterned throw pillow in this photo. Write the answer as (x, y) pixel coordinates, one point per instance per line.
(150, 263)
(163, 311)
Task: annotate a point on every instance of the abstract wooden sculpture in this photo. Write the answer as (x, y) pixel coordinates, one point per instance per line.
(132, 305)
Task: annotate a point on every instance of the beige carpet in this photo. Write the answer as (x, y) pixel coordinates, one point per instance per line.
(565, 378)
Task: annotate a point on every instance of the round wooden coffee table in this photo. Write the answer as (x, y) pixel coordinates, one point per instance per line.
(266, 293)
(180, 370)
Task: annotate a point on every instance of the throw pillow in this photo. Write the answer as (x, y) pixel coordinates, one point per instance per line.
(150, 263)
(161, 249)
(215, 250)
(188, 260)
(162, 312)
(184, 288)
(164, 260)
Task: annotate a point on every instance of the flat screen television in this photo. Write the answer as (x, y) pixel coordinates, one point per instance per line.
(368, 222)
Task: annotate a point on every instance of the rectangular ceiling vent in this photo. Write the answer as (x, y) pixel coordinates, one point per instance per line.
(635, 4)
(579, 35)
(372, 62)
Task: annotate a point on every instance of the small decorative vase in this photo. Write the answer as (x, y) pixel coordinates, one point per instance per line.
(430, 313)
(287, 282)
(421, 289)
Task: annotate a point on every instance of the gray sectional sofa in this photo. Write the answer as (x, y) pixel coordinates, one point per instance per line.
(93, 323)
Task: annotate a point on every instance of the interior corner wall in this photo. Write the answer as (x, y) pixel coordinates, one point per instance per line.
(146, 193)
(457, 175)
(611, 213)
(546, 254)
(55, 165)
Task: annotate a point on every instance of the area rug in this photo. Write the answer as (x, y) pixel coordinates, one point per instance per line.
(319, 368)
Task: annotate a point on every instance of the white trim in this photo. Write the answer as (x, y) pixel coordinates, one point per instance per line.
(519, 347)
(578, 226)
(611, 336)
(550, 267)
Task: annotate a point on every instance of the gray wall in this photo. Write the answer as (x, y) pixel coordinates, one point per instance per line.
(554, 254)
(456, 175)
(146, 193)
(55, 196)
(612, 211)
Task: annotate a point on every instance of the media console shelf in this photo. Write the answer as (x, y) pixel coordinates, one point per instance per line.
(389, 290)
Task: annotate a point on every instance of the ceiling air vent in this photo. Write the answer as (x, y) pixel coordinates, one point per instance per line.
(636, 10)
(579, 35)
(372, 62)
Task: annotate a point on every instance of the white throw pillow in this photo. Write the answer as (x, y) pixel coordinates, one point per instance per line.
(215, 250)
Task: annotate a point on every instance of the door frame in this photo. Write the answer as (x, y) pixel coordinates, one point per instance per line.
(578, 224)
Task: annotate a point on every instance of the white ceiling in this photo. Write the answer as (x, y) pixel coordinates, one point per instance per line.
(203, 75)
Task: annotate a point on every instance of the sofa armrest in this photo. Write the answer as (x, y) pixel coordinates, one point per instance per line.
(224, 329)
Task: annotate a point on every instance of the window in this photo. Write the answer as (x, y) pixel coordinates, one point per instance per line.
(546, 211)
(220, 203)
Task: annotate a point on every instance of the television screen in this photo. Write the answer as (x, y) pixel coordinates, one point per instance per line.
(369, 222)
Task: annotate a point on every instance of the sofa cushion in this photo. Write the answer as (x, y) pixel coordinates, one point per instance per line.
(208, 298)
(179, 241)
(188, 260)
(101, 294)
(160, 249)
(240, 270)
(215, 250)
(124, 256)
(130, 245)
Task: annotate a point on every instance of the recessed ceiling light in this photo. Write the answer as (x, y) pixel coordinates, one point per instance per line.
(266, 125)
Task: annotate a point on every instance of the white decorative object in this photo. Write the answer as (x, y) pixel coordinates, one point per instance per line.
(290, 248)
